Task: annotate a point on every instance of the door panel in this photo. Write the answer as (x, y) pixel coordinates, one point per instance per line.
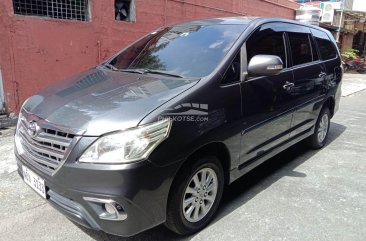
(328, 54)
(265, 102)
(309, 76)
(266, 115)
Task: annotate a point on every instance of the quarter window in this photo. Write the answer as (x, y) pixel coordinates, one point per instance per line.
(232, 74)
(300, 48)
(326, 47)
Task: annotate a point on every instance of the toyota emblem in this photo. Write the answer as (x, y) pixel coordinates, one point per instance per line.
(33, 129)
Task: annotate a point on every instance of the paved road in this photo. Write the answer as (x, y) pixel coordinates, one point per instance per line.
(298, 195)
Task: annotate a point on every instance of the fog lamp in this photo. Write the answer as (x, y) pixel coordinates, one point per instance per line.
(109, 208)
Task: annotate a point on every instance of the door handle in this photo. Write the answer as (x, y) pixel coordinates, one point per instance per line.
(288, 85)
(322, 74)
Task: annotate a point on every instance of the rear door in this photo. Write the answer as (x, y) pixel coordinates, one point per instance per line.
(328, 53)
(267, 112)
(309, 75)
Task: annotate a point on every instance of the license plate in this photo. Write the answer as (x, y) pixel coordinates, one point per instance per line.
(34, 181)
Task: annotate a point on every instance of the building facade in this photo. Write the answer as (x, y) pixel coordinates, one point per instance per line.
(45, 41)
(346, 19)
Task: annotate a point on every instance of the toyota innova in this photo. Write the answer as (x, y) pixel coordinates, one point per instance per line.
(155, 133)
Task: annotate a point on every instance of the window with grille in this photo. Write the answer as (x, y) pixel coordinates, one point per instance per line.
(61, 9)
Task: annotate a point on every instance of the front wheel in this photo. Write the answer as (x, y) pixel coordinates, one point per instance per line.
(195, 195)
(319, 138)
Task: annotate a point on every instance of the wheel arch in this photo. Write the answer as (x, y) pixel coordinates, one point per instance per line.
(330, 103)
(217, 149)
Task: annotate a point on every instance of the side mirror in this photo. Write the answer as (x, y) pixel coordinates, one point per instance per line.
(265, 65)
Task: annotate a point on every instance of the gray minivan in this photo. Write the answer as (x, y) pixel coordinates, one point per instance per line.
(155, 133)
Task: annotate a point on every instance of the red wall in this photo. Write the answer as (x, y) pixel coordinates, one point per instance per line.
(35, 52)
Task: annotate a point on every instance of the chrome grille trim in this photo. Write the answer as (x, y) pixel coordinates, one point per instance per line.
(37, 148)
(48, 150)
(44, 137)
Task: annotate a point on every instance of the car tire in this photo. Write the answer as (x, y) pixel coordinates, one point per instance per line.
(319, 138)
(193, 202)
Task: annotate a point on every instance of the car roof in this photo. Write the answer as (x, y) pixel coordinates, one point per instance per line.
(220, 21)
(246, 20)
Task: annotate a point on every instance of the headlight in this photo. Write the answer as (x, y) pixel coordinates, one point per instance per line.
(127, 146)
(18, 145)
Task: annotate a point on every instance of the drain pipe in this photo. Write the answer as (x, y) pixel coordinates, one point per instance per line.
(340, 22)
(99, 51)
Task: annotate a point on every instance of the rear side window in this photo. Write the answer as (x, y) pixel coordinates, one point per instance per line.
(266, 41)
(300, 48)
(326, 47)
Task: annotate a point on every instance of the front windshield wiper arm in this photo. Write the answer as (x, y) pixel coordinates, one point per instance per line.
(142, 71)
(161, 72)
(150, 71)
(109, 66)
(138, 71)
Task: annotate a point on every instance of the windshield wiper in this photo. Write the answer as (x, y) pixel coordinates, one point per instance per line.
(161, 72)
(109, 66)
(143, 71)
(138, 71)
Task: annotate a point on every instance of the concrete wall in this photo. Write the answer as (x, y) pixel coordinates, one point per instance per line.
(347, 42)
(359, 5)
(35, 52)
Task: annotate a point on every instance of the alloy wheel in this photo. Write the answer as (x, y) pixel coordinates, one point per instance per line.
(200, 195)
(323, 128)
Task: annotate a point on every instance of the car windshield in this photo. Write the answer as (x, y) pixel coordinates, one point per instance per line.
(182, 50)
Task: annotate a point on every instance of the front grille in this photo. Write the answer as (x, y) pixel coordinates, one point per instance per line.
(47, 150)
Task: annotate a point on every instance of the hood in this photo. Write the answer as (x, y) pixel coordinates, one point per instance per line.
(99, 100)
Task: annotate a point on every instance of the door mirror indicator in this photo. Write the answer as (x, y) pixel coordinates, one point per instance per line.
(265, 65)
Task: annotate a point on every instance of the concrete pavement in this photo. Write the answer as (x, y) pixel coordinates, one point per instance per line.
(300, 194)
(353, 84)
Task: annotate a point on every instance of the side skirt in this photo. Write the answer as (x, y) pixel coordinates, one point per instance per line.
(256, 161)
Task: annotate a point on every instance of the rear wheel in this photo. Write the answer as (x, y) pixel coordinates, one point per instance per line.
(319, 138)
(195, 195)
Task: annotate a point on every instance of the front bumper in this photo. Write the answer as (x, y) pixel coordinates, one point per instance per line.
(141, 189)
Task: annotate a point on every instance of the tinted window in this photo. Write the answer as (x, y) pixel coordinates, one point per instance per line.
(300, 48)
(233, 72)
(326, 47)
(266, 41)
(187, 50)
(314, 50)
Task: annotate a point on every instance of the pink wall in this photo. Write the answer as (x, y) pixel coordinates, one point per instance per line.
(35, 52)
